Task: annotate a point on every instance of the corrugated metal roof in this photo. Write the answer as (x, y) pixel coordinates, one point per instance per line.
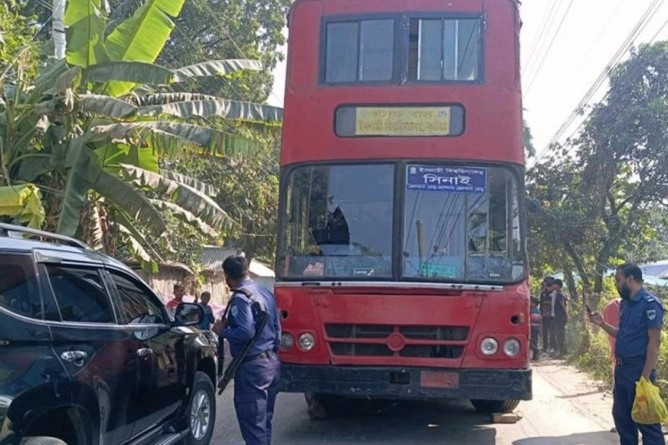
(260, 269)
(213, 257)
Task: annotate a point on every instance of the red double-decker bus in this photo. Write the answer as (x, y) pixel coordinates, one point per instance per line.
(401, 270)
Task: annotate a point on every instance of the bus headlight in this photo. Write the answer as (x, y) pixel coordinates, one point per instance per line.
(306, 341)
(489, 346)
(287, 340)
(511, 347)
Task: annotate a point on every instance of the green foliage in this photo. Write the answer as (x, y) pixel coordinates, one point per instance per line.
(85, 32)
(76, 134)
(529, 147)
(17, 45)
(229, 29)
(23, 202)
(596, 202)
(205, 30)
(247, 189)
(596, 360)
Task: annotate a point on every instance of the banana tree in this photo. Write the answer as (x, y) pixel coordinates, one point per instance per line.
(101, 119)
(23, 202)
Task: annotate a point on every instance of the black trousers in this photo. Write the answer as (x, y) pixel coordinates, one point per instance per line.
(559, 330)
(535, 333)
(548, 333)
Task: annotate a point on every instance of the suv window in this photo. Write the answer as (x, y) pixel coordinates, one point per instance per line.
(138, 305)
(81, 294)
(19, 291)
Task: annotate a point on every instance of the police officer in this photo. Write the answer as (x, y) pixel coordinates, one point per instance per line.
(256, 383)
(636, 349)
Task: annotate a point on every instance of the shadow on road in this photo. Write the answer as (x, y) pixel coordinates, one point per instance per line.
(397, 423)
(592, 438)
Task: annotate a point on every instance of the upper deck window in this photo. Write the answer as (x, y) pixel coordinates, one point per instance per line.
(359, 51)
(444, 50)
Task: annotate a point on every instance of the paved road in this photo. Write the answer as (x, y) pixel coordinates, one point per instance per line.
(568, 409)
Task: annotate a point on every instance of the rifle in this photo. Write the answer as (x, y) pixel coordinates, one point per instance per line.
(260, 322)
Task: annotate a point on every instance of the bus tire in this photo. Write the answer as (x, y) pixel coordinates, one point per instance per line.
(495, 406)
(42, 440)
(324, 406)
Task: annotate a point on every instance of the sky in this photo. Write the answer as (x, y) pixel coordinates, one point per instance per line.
(561, 63)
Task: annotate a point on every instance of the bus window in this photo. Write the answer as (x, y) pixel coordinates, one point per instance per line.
(461, 223)
(339, 222)
(359, 51)
(444, 50)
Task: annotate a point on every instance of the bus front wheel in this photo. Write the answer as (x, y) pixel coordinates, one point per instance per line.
(495, 406)
(324, 406)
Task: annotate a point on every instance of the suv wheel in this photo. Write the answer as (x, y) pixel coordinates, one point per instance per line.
(42, 440)
(200, 414)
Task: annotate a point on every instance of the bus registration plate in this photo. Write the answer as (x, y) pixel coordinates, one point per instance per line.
(439, 379)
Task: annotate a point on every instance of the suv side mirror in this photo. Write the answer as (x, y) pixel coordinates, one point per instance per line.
(188, 314)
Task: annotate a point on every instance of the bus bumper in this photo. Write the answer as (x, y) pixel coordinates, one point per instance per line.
(407, 383)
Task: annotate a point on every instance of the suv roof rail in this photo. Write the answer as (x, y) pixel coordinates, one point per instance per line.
(6, 228)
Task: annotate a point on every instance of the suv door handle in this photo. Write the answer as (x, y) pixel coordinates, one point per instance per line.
(144, 352)
(76, 357)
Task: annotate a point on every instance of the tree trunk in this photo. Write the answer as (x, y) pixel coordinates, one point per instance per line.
(570, 283)
(59, 28)
(579, 265)
(601, 268)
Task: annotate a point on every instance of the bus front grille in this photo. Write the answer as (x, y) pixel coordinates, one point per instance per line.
(400, 341)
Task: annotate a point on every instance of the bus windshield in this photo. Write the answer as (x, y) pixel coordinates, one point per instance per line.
(460, 224)
(339, 221)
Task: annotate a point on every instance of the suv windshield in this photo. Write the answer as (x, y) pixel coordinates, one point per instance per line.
(458, 224)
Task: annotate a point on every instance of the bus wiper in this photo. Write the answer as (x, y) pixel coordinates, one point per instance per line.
(420, 244)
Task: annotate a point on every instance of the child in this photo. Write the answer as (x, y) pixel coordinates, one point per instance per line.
(536, 319)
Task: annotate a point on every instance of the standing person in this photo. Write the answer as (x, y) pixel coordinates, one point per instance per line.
(560, 318)
(636, 350)
(179, 291)
(611, 316)
(546, 313)
(256, 383)
(535, 327)
(208, 319)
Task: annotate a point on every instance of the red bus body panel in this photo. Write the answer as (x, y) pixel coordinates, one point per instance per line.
(493, 134)
(493, 109)
(484, 313)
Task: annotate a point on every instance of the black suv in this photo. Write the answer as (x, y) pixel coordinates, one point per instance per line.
(89, 354)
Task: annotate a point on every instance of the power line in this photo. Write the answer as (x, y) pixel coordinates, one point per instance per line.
(626, 45)
(543, 26)
(604, 28)
(607, 94)
(549, 46)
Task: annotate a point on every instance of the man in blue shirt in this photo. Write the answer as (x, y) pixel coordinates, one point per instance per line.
(637, 350)
(256, 383)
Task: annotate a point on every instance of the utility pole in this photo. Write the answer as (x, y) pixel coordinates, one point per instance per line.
(59, 28)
